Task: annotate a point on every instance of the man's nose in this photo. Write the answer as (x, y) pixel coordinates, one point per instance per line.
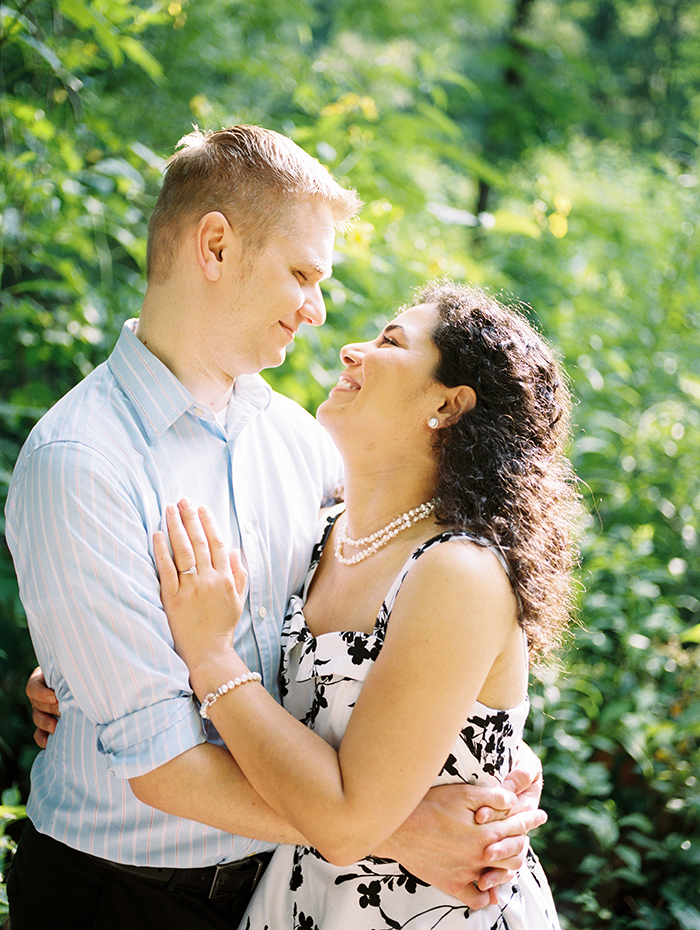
(313, 310)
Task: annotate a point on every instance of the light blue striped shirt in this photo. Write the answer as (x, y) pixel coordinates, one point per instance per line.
(89, 490)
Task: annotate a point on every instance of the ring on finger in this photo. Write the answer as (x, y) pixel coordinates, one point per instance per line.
(189, 571)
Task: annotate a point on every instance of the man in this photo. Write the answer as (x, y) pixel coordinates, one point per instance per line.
(136, 818)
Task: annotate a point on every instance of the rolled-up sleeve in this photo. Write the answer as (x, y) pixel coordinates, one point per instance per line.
(150, 737)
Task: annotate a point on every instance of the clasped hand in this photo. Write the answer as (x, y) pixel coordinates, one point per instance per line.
(204, 606)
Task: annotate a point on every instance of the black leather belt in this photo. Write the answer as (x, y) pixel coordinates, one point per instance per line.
(229, 878)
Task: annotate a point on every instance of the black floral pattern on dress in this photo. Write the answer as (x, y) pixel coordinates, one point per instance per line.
(319, 703)
(296, 879)
(303, 921)
(282, 672)
(451, 768)
(381, 624)
(318, 548)
(370, 894)
(380, 893)
(486, 738)
(361, 648)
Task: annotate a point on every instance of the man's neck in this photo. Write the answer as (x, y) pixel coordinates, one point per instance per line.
(174, 348)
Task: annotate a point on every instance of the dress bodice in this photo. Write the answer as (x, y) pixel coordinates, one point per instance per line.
(321, 677)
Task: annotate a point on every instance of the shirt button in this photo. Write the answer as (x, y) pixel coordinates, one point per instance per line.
(262, 612)
(248, 527)
(197, 411)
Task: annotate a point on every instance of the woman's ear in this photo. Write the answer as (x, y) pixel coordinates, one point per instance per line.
(459, 400)
(213, 238)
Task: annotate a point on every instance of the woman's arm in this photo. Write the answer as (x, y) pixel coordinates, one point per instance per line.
(45, 710)
(431, 669)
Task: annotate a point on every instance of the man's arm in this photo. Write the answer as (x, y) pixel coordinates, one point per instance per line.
(206, 785)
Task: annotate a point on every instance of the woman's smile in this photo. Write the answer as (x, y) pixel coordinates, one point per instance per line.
(346, 383)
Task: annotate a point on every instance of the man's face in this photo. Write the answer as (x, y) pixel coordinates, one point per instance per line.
(278, 291)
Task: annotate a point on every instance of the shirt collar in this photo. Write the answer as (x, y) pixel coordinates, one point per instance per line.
(157, 395)
(253, 389)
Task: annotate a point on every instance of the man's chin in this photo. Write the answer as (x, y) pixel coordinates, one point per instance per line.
(275, 361)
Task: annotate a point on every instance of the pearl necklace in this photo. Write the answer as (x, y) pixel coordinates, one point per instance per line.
(381, 537)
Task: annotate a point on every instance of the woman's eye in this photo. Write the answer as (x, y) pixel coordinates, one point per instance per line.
(387, 340)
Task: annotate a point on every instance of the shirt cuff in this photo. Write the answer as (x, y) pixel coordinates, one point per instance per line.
(150, 737)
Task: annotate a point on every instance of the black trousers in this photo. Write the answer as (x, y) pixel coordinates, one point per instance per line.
(51, 885)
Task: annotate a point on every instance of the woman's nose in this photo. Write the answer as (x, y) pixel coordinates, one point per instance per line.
(352, 354)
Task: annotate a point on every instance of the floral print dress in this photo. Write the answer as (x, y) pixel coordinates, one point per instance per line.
(320, 680)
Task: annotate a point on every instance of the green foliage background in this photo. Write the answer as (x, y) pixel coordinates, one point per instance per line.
(548, 150)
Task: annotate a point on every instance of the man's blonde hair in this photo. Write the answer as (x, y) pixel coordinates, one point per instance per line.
(254, 176)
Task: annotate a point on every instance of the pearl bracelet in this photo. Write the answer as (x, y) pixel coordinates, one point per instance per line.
(229, 686)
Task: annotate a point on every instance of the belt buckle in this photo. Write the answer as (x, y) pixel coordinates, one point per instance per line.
(221, 870)
(217, 880)
(258, 873)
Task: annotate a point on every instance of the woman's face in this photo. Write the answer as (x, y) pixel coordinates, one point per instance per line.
(388, 383)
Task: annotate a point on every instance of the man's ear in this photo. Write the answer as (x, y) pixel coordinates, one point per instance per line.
(458, 400)
(213, 238)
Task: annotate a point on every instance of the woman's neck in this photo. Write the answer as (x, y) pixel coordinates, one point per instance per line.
(373, 498)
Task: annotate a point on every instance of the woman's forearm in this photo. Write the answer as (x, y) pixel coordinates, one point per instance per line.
(292, 768)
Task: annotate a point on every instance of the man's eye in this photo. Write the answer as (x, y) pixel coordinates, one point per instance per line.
(300, 275)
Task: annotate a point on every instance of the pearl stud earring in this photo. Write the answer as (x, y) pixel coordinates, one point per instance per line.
(433, 422)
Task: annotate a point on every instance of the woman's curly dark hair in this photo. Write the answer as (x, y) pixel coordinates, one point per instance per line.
(503, 472)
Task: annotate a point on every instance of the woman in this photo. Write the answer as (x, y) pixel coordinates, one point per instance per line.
(454, 419)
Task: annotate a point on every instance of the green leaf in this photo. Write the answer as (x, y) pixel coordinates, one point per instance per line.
(88, 17)
(512, 224)
(688, 917)
(691, 635)
(142, 57)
